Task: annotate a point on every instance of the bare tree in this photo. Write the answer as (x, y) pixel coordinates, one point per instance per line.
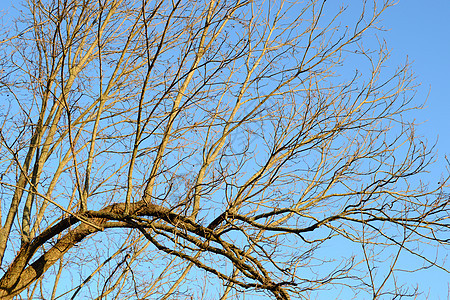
(196, 149)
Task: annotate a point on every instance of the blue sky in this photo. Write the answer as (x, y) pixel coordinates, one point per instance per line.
(420, 32)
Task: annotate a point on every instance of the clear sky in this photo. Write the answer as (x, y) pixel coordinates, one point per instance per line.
(420, 31)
